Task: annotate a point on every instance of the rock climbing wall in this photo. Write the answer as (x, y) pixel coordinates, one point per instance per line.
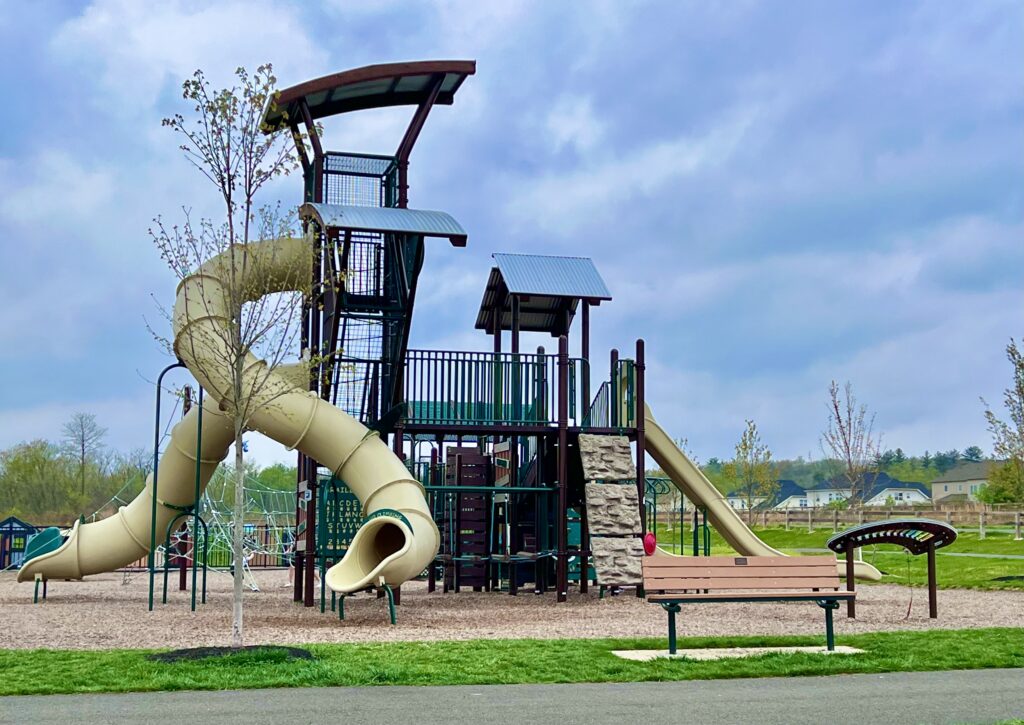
(613, 509)
(606, 458)
(617, 561)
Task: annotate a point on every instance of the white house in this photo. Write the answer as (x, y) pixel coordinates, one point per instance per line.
(880, 489)
(788, 495)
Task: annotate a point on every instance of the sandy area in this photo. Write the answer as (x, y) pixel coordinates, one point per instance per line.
(107, 611)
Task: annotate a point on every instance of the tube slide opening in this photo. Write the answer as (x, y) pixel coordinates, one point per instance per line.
(389, 539)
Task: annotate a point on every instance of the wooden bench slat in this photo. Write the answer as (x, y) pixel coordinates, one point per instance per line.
(751, 561)
(750, 595)
(734, 584)
(740, 571)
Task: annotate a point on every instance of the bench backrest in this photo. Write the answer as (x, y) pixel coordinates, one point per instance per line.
(727, 573)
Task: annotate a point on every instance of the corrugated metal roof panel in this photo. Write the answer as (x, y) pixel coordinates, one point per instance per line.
(534, 274)
(385, 219)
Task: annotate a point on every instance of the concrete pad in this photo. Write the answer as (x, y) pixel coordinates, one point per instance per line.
(722, 653)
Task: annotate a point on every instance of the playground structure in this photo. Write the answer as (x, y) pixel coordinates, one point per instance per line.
(465, 465)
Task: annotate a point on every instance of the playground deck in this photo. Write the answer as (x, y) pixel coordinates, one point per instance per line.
(103, 613)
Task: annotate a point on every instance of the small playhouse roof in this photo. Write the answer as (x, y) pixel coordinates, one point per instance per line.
(386, 219)
(372, 86)
(548, 287)
(13, 523)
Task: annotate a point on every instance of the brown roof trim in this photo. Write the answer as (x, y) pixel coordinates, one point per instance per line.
(380, 71)
(376, 72)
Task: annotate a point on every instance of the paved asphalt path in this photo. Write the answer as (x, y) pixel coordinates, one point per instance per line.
(976, 696)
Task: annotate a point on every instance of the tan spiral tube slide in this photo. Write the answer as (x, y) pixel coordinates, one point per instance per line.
(398, 538)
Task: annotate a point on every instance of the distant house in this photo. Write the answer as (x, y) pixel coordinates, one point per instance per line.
(886, 490)
(14, 535)
(789, 496)
(824, 493)
(962, 482)
(878, 489)
(737, 500)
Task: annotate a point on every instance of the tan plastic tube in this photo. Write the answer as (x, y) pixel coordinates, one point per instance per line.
(689, 479)
(398, 538)
(120, 539)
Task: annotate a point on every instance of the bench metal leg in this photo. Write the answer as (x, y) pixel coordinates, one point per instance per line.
(830, 637)
(672, 610)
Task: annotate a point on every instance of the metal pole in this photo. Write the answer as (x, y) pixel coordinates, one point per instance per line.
(562, 572)
(585, 358)
(851, 607)
(933, 606)
(613, 397)
(195, 500)
(151, 557)
(641, 470)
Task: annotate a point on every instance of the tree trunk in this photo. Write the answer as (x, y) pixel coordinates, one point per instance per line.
(237, 554)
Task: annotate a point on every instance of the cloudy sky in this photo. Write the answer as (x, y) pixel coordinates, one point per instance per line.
(777, 193)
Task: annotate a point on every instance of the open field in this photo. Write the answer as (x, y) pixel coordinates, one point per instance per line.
(103, 612)
(496, 662)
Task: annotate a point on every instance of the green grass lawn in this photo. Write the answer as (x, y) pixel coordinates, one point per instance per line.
(498, 662)
(953, 572)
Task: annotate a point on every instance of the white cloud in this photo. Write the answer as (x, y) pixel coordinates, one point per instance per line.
(572, 122)
(54, 187)
(597, 189)
(137, 47)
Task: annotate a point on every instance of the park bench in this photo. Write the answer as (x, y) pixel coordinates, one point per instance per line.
(674, 580)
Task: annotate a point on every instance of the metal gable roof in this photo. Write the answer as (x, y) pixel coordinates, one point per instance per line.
(386, 219)
(534, 274)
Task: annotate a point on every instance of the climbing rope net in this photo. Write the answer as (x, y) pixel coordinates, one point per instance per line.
(268, 528)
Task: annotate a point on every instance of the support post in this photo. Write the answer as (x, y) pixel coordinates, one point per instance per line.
(641, 470)
(614, 409)
(151, 556)
(851, 606)
(585, 362)
(933, 606)
(787, 518)
(1016, 526)
(183, 556)
(195, 507)
(562, 568)
(433, 478)
(672, 610)
(981, 526)
(830, 637)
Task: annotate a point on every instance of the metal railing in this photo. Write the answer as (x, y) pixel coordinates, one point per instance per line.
(614, 404)
(444, 387)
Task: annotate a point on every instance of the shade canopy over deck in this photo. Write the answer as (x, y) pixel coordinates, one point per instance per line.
(385, 220)
(545, 291)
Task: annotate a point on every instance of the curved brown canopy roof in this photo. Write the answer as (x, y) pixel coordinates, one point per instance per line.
(372, 86)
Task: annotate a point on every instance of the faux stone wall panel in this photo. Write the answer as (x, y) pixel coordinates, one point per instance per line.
(613, 509)
(618, 561)
(606, 458)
